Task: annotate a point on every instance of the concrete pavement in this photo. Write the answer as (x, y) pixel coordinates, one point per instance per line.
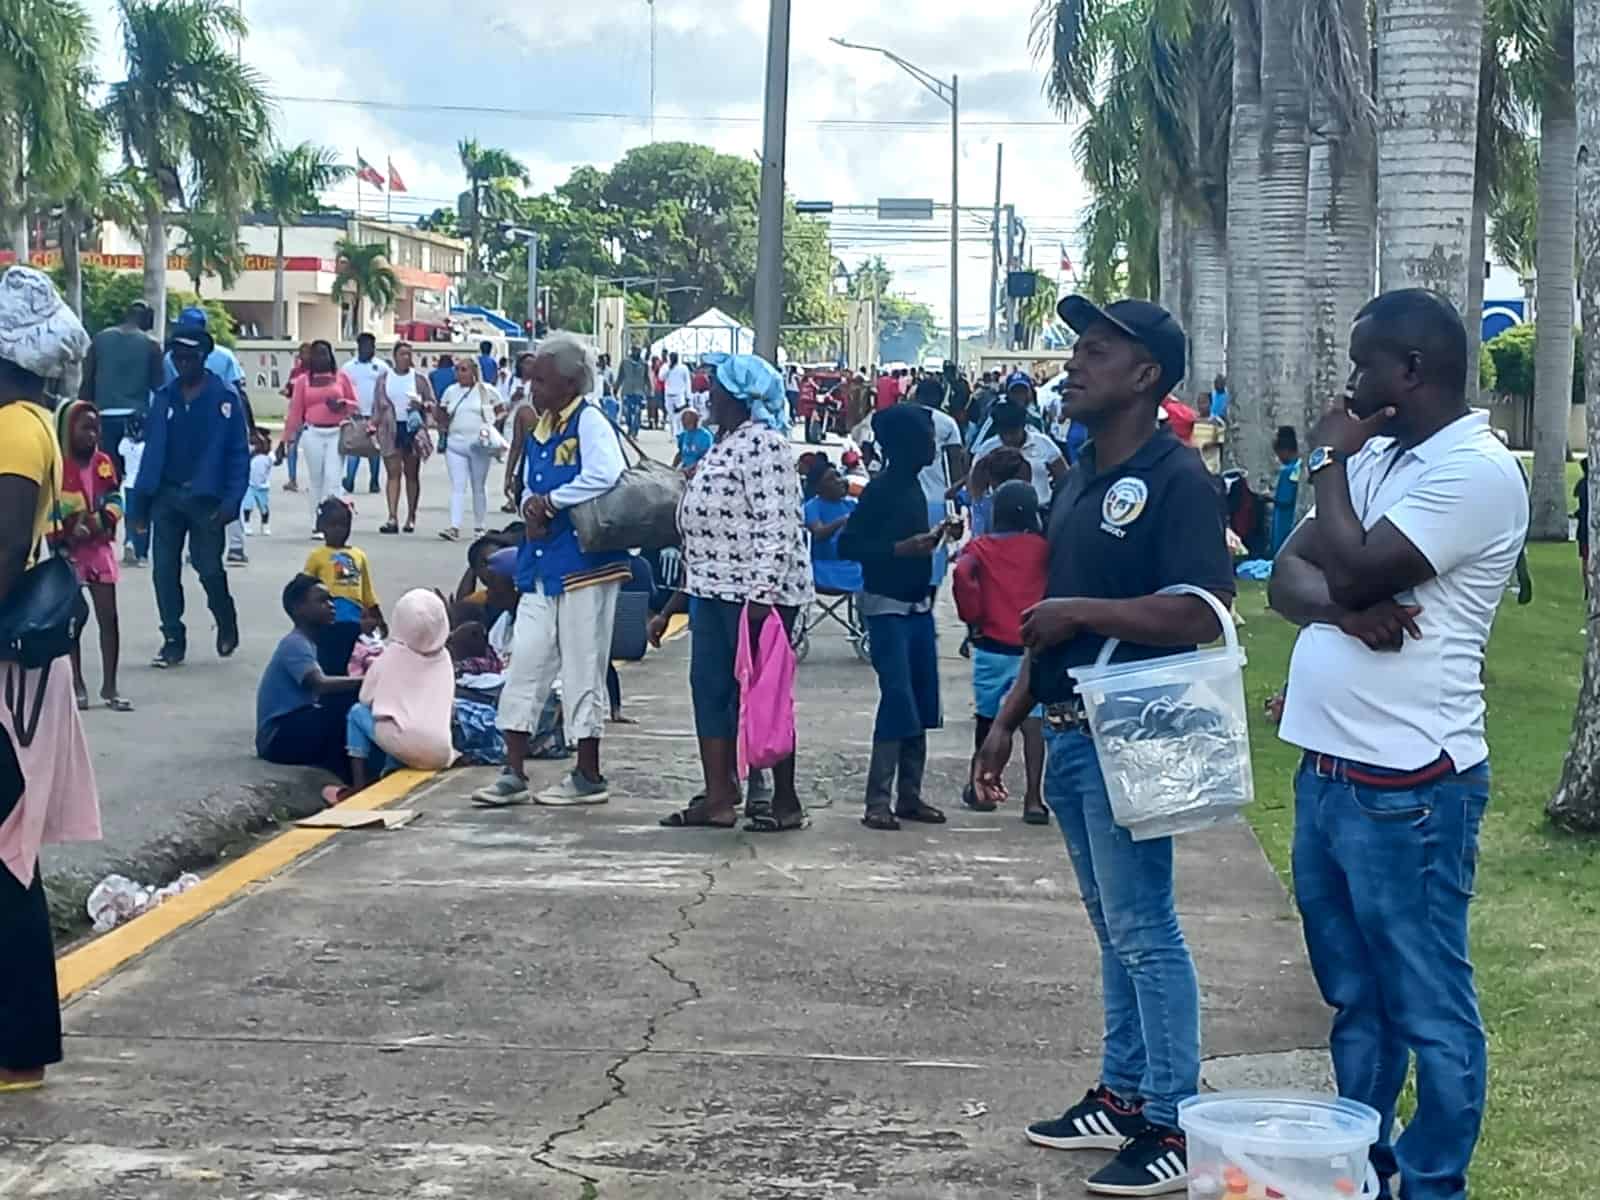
(577, 1003)
(179, 780)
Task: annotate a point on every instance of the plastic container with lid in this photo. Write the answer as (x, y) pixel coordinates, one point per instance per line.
(1250, 1145)
(1172, 733)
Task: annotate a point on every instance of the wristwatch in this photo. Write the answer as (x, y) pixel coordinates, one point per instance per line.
(1322, 456)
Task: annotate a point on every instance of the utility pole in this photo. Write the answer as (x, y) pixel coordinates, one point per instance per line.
(994, 260)
(955, 220)
(1011, 265)
(950, 93)
(533, 285)
(769, 249)
(652, 4)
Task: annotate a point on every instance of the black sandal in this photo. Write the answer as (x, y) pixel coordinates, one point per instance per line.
(695, 815)
(1036, 816)
(923, 814)
(761, 817)
(878, 818)
(389, 527)
(969, 799)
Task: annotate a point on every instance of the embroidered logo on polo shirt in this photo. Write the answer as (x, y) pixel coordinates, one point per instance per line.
(1124, 502)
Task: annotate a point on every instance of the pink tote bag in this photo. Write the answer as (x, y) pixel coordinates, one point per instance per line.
(766, 694)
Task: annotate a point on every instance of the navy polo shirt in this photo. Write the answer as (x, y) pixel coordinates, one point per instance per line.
(1129, 531)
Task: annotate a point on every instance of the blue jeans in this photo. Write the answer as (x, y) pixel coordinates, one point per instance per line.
(632, 413)
(1382, 879)
(1151, 994)
(352, 468)
(359, 742)
(905, 655)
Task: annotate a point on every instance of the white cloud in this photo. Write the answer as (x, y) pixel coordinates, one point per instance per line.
(550, 56)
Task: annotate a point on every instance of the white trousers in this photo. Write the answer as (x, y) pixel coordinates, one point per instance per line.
(323, 466)
(566, 637)
(469, 468)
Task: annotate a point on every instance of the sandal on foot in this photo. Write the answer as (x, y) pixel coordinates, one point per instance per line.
(923, 814)
(335, 794)
(82, 698)
(770, 822)
(389, 527)
(969, 798)
(409, 527)
(695, 815)
(1036, 816)
(118, 704)
(878, 818)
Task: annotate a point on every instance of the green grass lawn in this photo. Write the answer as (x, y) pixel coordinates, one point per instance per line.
(1537, 913)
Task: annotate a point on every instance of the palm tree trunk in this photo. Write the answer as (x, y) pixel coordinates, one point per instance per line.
(280, 314)
(71, 258)
(1552, 347)
(1249, 437)
(1281, 223)
(1208, 303)
(1429, 55)
(1341, 229)
(155, 261)
(1576, 802)
(1167, 243)
(1477, 254)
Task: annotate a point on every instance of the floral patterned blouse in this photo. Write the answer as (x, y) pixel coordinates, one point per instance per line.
(743, 537)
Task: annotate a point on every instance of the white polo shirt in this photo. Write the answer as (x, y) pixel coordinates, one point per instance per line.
(1460, 500)
(364, 378)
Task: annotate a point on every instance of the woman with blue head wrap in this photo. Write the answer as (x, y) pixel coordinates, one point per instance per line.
(751, 383)
(744, 554)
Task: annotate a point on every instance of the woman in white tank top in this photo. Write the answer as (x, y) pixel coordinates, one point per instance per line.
(400, 411)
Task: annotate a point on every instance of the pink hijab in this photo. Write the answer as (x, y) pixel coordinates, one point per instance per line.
(411, 686)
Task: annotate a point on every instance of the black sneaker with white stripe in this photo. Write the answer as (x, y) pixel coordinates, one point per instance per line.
(1102, 1120)
(1153, 1163)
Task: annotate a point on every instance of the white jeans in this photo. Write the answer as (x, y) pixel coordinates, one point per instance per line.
(566, 636)
(324, 467)
(471, 467)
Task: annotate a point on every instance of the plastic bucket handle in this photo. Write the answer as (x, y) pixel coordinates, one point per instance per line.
(1369, 1186)
(1230, 637)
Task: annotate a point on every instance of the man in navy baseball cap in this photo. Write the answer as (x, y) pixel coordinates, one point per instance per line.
(1150, 325)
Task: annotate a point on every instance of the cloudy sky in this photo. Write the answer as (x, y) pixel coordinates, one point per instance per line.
(563, 83)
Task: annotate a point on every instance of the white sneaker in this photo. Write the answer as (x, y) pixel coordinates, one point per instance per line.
(248, 530)
(266, 530)
(573, 790)
(508, 789)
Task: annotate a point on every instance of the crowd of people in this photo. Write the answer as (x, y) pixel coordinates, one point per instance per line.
(1062, 523)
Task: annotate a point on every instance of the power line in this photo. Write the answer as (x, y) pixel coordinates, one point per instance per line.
(538, 114)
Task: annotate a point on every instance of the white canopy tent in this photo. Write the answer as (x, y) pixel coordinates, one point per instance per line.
(712, 332)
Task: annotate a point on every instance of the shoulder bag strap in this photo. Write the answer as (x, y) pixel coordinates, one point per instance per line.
(623, 435)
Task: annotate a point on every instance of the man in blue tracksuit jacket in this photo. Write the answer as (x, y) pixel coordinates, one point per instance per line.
(191, 482)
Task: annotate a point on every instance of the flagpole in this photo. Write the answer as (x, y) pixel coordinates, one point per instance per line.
(358, 192)
(388, 192)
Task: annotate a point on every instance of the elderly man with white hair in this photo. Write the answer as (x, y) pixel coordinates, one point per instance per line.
(569, 596)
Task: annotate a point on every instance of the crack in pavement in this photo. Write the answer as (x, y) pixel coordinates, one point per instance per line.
(613, 1073)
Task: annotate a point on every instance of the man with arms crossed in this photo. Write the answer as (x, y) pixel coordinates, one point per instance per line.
(1395, 577)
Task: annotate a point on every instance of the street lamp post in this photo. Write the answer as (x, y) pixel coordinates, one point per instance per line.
(769, 244)
(533, 277)
(950, 93)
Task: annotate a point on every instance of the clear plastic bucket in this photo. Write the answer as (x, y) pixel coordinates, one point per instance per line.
(1172, 733)
(1256, 1145)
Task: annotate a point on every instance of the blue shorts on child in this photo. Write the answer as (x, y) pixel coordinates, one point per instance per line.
(993, 673)
(257, 498)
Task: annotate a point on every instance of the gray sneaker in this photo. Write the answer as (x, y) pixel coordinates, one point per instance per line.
(508, 789)
(574, 789)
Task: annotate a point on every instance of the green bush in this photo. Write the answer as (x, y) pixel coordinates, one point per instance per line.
(1512, 352)
(107, 294)
(1487, 375)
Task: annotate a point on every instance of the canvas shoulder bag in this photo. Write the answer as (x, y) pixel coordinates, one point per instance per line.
(641, 509)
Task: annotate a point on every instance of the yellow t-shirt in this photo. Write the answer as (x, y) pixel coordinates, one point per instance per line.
(344, 571)
(28, 448)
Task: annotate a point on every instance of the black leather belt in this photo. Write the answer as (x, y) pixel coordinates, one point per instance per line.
(1065, 715)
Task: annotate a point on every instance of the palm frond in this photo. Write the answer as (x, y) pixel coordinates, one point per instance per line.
(1336, 63)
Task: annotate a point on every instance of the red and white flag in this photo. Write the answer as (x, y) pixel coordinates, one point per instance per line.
(1066, 260)
(396, 184)
(366, 172)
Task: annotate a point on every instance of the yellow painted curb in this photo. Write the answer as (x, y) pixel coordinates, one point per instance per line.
(88, 965)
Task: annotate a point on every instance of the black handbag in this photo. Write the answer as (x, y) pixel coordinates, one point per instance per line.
(39, 621)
